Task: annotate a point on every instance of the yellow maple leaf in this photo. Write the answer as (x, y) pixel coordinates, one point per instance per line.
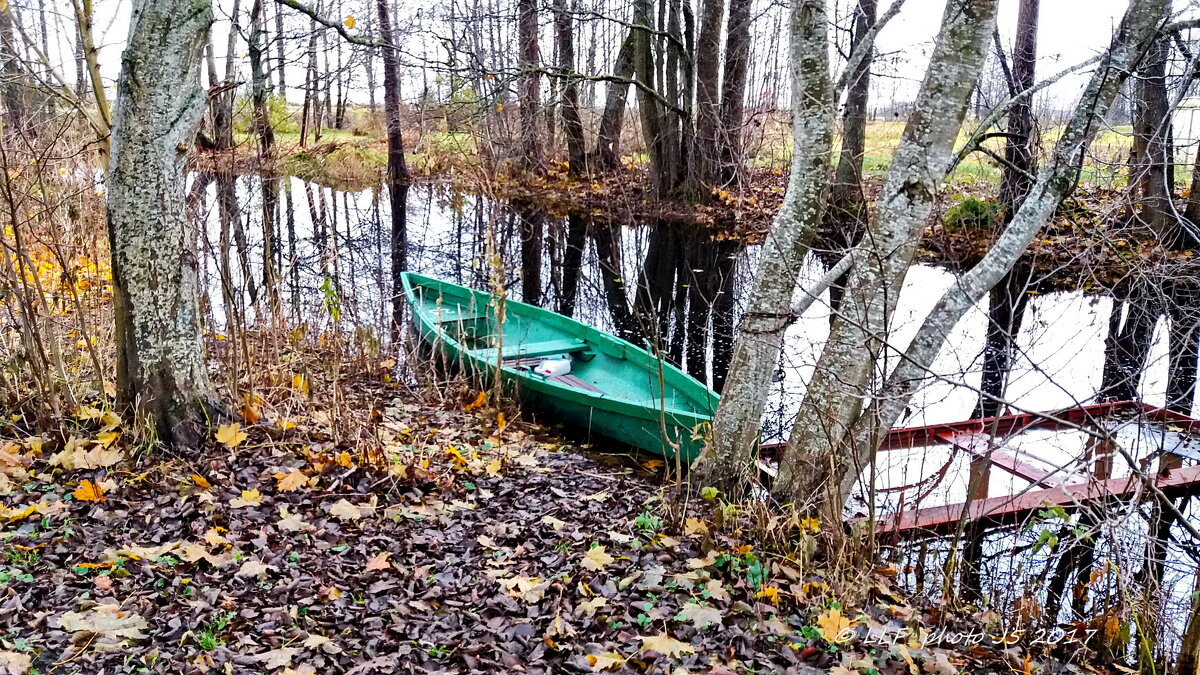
(88, 492)
(231, 435)
(201, 481)
(87, 412)
(292, 480)
(350, 22)
(214, 537)
(500, 421)
(247, 498)
(596, 558)
(285, 425)
(345, 460)
(666, 645)
(493, 467)
(832, 624)
(107, 438)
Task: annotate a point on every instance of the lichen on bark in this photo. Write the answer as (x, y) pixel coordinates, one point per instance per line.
(161, 369)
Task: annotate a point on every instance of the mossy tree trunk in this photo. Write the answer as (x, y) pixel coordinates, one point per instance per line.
(161, 369)
(727, 458)
(812, 464)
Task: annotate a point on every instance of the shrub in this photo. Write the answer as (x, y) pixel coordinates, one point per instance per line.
(972, 213)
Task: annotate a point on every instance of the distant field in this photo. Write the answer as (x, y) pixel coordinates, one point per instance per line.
(1105, 163)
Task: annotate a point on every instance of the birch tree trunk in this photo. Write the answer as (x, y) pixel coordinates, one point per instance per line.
(811, 466)
(726, 459)
(161, 369)
(1054, 181)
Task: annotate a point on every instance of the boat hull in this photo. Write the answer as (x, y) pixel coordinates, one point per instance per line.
(671, 421)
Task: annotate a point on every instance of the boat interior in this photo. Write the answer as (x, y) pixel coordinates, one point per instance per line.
(526, 339)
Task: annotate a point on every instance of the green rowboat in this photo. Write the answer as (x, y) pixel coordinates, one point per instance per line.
(614, 389)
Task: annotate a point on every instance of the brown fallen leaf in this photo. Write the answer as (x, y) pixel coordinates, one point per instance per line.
(605, 661)
(278, 658)
(589, 607)
(666, 645)
(700, 615)
(107, 620)
(379, 562)
(344, 510)
(15, 663)
(596, 558)
(255, 568)
(214, 537)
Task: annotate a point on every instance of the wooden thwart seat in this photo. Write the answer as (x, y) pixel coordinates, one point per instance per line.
(573, 381)
(531, 350)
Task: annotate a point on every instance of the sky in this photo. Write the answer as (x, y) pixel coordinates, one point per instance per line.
(1070, 31)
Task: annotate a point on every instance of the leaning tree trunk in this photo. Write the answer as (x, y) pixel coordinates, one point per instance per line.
(161, 370)
(810, 468)
(1054, 181)
(726, 459)
(612, 120)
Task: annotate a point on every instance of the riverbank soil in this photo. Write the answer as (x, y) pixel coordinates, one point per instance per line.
(412, 528)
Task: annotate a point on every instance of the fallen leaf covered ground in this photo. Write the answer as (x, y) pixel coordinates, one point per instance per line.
(475, 549)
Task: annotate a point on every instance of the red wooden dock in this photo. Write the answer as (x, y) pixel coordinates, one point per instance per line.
(984, 440)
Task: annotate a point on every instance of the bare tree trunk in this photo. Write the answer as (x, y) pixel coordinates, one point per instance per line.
(812, 466)
(612, 120)
(1007, 300)
(1152, 180)
(733, 91)
(14, 88)
(847, 203)
(572, 125)
(102, 119)
(281, 55)
(161, 370)
(531, 83)
(397, 168)
(265, 132)
(648, 105)
(705, 160)
(223, 135)
(726, 459)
